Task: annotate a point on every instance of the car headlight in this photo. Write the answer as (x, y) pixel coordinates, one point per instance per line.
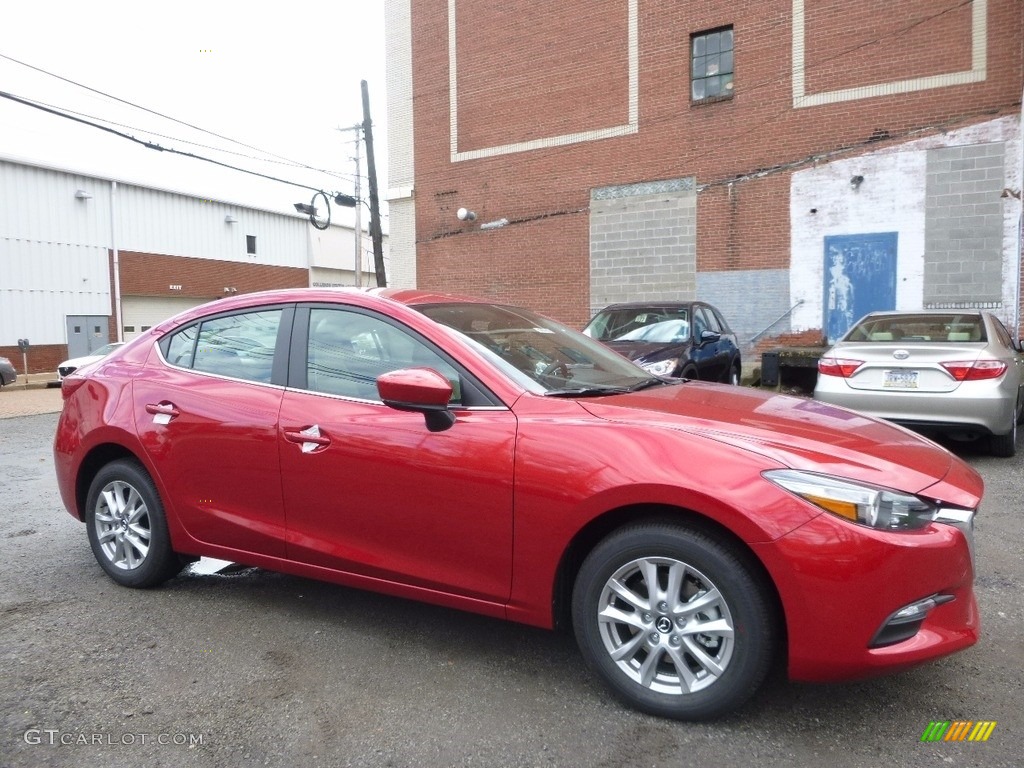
(865, 504)
(660, 368)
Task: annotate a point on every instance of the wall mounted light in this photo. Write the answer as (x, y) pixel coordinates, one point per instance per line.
(465, 214)
(856, 181)
(1007, 192)
(81, 194)
(229, 219)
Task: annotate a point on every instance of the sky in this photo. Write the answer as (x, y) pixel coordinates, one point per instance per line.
(280, 79)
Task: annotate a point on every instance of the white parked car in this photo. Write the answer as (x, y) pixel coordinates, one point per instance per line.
(958, 372)
(70, 366)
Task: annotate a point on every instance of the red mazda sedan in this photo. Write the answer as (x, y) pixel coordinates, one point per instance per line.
(484, 457)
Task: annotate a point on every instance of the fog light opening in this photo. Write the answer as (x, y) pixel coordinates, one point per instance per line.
(905, 623)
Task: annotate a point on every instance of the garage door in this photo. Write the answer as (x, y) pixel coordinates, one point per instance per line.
(140, 313)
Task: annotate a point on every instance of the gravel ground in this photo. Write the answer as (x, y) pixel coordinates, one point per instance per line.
(256, 668)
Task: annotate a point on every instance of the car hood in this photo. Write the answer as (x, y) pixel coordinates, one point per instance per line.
(642, 350)
(800, 434)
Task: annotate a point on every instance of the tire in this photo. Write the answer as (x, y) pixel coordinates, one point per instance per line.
(652, 657)
(734, 375)
(1005, 446)
(127, 528)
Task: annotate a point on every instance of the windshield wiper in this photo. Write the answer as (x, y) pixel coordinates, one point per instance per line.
(653, 383)
(586, 392)
(598, 391)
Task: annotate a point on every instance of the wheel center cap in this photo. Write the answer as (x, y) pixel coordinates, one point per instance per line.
(663, 624)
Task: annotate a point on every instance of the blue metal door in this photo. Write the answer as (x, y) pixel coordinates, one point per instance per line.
(860, 277)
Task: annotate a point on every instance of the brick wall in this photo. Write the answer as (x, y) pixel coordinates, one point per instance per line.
(150, 274)
(524, 73)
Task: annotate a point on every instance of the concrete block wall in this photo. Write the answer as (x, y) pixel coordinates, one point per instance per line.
(964, 225)
(643, 243)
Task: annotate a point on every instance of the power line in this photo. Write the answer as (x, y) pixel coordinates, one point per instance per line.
(153, 112)
(68, 111)
(149, 144)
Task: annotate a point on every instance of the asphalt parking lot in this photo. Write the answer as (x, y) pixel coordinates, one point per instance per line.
(255, 668)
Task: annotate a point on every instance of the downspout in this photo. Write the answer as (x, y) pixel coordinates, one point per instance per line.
(117, 262)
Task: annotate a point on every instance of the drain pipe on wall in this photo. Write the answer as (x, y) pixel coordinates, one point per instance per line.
(119, 333)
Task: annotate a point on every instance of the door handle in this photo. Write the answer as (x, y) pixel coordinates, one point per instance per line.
(309, 438)
(162, 412)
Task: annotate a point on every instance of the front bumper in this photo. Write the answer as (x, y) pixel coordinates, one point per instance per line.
(840, 584)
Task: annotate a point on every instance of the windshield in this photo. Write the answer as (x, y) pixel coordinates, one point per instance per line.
(661, 325)
(107, 349)
(541, 355)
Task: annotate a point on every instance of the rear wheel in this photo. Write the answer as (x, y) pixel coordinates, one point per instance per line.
(1005, 446)
(127, 528)
(673, 621)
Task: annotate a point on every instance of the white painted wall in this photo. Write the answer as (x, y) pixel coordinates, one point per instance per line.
(401, 133)
(891, 199)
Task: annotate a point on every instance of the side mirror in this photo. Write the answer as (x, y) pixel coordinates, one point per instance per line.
(422, 390)
(708, 336)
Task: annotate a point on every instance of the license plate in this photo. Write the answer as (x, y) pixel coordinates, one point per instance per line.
(900, 380)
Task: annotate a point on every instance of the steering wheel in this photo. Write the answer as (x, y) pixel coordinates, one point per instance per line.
(554, 368)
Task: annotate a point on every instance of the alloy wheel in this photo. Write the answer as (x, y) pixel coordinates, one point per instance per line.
(666, 626)
(122, 525)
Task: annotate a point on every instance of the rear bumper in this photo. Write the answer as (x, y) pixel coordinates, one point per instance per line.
(981, 410)
(840, 583)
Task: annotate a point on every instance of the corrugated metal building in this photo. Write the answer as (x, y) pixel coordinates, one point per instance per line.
(85, 260)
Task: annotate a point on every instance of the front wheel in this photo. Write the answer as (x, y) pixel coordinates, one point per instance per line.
(673, 621)
(127, 528)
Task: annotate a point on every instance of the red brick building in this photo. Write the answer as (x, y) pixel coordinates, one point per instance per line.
(609, 150)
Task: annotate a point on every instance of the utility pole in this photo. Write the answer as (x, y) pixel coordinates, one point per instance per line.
(358, 233)
(371, 170)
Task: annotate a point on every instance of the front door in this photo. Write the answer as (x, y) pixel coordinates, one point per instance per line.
(860, 277)
(373, 492)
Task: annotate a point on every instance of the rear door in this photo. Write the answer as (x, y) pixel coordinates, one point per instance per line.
(368, 489)
(206, 412)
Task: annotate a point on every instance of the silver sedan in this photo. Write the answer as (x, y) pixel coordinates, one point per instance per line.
(957, 372)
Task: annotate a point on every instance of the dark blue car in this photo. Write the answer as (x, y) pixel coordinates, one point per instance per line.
(688, 339)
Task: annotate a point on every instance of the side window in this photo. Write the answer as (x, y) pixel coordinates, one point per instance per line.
(720, 321)
(347, 351)
(239, 346)
(700, 324)
(1002, 333)
(182, 347)
(712, 319)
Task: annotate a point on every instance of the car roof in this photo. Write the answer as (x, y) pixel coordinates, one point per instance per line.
(650, 304)
(910, 312)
